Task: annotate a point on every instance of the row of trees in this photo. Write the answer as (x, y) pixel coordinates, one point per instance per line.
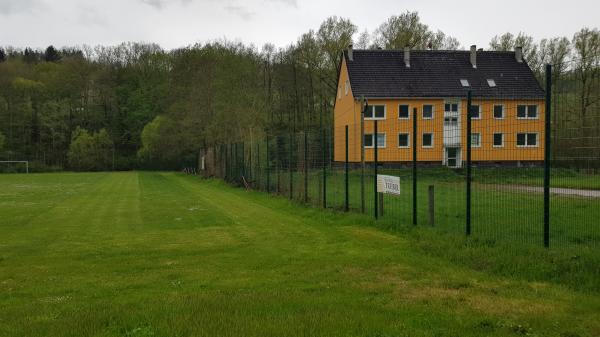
(157, 108)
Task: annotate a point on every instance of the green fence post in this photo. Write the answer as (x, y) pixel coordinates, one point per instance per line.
(243, 163)
(278, 164)
(375, 163)
(257, 171)
(305, 167)
(346, 171)
(225, 166)
(238, 168)
(267, 164)
(469, 148)
(324, 149)
(414, 168)
(362, 156)
(547, 154)
(230, 163)
(235, 162)
(291, 174)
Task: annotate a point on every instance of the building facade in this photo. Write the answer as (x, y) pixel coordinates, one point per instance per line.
(432, 86)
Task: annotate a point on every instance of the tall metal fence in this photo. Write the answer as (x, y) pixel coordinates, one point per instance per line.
(497, 168)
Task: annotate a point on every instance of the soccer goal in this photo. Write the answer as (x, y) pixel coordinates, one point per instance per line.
(16, 162)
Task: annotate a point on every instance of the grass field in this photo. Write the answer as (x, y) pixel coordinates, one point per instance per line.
(162, 254)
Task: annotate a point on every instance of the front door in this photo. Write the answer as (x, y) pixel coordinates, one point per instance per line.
(453, 157)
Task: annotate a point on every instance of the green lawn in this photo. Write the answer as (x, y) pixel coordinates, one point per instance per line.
(162, 254)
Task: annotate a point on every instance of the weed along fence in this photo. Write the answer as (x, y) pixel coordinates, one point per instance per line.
(518, 168)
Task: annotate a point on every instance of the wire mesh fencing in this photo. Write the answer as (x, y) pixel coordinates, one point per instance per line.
(520, 168)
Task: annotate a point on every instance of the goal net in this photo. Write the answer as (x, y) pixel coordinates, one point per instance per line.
(14, 166)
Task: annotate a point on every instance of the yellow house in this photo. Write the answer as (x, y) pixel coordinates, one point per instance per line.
(399, 85)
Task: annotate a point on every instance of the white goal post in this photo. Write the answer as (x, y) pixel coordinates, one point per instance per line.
(26, 162)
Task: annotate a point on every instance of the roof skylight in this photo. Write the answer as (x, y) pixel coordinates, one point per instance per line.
(491, 83)
(464, 83)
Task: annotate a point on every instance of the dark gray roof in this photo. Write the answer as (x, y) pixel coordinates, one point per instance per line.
(437, 73)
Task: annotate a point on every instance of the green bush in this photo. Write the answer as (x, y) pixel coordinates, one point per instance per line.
(90, 151)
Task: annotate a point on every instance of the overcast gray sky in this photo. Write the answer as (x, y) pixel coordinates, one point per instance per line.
(175, 23)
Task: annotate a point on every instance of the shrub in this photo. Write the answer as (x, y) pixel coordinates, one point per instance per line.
(90, 151)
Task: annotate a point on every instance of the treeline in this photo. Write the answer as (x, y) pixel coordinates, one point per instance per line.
(139, 106)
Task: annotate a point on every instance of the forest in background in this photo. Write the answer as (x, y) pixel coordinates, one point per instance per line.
(137, 105)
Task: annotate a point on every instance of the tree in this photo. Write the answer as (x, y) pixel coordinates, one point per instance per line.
(364, 40)
(30, 56)
(407, 30)
(90, 151)
(508, 42)
(334, 35)
(586, 44)
(555, 51)
(2, 55)
(165, 144)
(51, 54)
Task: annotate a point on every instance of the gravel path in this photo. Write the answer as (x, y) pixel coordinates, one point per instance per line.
(553, 190)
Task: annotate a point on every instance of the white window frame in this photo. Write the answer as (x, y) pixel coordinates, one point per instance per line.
(404, 118)
(494, 112)
(493, 139)
(432, 112)
(347, 88)
(537, 139)
(475, 133)
(372, 107)
(478, 108)
(408, 137)
(432, 140)
(537, 109)
(452, 102)
(378, 147)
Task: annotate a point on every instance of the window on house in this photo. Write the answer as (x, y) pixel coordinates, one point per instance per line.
(498, 111)
(380, 140)
(527, 111)
(347, 87)
(375, 112)
(403, 140)
(368, 140)
(475, 111)
(451, 107)
(403, 111)
(491, 83)
(498, 139)
(476, 140)
(427, 111)
(464, 83)
(427, 140)
(526, 139)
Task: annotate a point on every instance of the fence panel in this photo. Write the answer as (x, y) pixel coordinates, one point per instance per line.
(575, 164)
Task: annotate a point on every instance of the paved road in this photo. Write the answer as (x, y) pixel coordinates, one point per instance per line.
(553, 190)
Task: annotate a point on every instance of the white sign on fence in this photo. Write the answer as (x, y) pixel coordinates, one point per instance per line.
(388, 184)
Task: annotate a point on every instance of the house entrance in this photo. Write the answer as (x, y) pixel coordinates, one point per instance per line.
(453, 157)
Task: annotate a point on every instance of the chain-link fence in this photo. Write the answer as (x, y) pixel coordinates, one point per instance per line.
(523, 168)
